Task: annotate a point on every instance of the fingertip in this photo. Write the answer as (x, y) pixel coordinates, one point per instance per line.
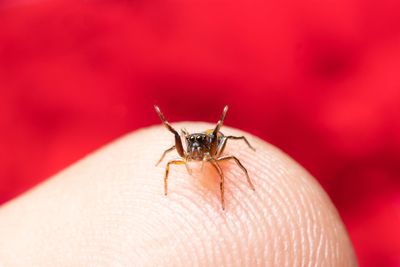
(112, 203)
(287, 201)
(283, 203)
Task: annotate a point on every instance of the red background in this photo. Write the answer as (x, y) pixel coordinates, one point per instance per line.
(319, 79)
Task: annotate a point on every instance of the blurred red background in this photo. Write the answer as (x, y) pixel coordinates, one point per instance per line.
(319, 79)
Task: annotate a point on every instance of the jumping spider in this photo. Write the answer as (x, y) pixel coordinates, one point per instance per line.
(206, 147)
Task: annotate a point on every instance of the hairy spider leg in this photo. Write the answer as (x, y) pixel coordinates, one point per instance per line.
(185, 132)
(176, 162)
(215, 164)
(225, 139)
(240, 165)
(165, 153)
(214, 143)
(178, 141)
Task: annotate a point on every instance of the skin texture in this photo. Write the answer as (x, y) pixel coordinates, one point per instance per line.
(109, 209)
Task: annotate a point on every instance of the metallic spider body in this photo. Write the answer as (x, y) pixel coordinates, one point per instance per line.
(207, 146)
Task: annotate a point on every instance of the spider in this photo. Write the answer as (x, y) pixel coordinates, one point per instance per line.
(206, 146)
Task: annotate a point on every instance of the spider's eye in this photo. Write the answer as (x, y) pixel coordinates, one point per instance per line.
(199, 137)
(192, 138)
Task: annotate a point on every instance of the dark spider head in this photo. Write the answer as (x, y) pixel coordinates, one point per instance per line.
(197, 145)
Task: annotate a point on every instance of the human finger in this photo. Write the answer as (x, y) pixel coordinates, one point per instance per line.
(109, 209)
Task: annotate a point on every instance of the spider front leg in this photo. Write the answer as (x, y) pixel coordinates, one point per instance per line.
(214, 143)
(178, 141)
(241, 166)
(176, 162)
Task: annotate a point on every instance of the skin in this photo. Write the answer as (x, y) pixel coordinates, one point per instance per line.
(109, 209)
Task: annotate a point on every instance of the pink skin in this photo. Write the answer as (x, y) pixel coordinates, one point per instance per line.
(109, 209)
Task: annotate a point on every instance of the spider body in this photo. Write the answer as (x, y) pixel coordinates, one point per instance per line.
(206, 146)
(199, 144)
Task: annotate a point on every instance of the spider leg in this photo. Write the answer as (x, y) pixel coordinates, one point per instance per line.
(176, 162)
(225, 139)
(185, 132)
(189, 170)
(178, 141)
(215, 164)
(165, 153)
(241, 166)
(202, 163)
(214, 143)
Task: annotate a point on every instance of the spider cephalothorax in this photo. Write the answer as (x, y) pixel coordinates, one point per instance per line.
(206, 147)
(198, 145)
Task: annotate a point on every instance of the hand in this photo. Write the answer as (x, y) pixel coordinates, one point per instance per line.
(109, 209)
